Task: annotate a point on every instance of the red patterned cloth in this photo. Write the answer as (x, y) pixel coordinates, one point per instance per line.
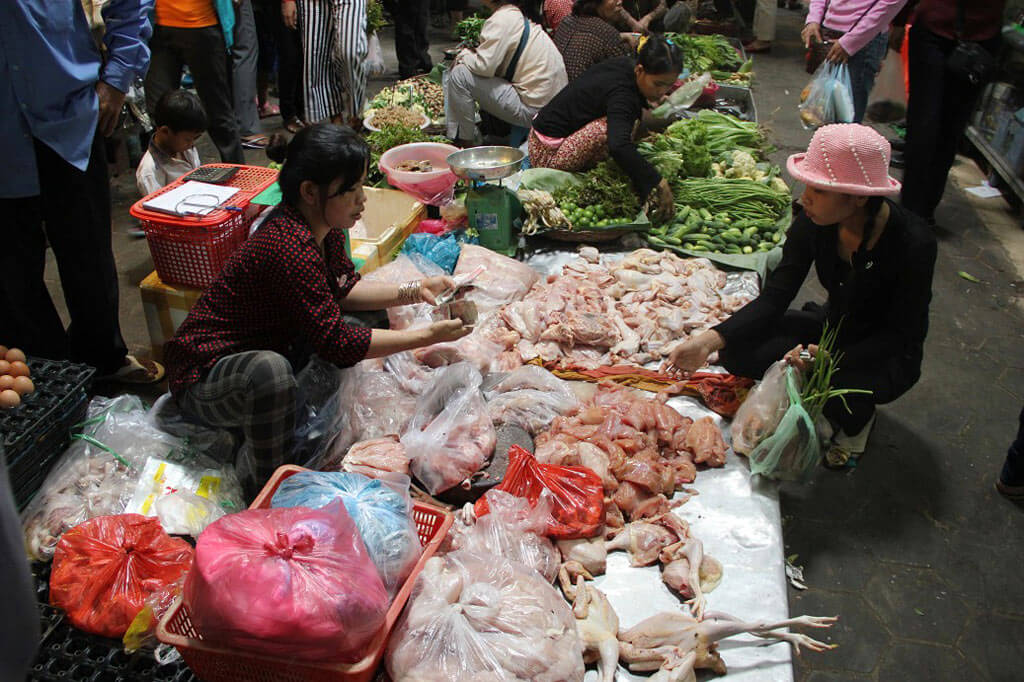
(555, 11)
(585, 41)
(581, 151)
(277, 292)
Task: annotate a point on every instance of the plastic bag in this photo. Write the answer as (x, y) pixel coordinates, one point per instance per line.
(515, 531)
(530, 397)
(293, 583)
(791, 452)
(399, 271)
(141, 633)
(451, 436)
(106, 568)
(185, 513)
(374, 58)
(683, 97)
(382, 512)
(577, 494)
(376, 458)
(475, 617)
(121, 462)
(828, 97)
(502, 281)
(762, 411)
(318, 409)
(442, 251)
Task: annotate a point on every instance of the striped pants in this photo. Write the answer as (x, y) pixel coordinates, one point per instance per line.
(254, 391)
(334, 47)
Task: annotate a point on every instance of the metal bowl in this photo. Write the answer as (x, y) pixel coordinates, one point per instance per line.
(486, 163)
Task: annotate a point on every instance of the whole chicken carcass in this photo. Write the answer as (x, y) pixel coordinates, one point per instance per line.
(475, 617)
(598, 628)
(704, 439)
(643, 540)
(590, 553)
(676, 641)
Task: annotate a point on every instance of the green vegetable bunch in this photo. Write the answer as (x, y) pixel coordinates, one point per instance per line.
(468, 31)
(683, 152)
(724, 133)
(706, 52)
(605, 193)
(817, 388)
(374, 16)
(745, 199)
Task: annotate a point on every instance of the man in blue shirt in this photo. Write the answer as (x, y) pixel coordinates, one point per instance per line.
(58, 99)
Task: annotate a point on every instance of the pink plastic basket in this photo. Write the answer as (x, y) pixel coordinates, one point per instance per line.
(216, 664)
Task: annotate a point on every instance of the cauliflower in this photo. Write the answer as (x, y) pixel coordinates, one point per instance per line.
(744, 164)
(779, 185)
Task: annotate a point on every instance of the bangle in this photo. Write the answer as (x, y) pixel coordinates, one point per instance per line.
(409, 292)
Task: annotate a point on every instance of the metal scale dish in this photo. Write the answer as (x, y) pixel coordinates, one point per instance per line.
(493, 210)
(484, 164)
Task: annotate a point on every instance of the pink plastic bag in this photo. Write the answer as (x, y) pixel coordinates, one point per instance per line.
(289, 582)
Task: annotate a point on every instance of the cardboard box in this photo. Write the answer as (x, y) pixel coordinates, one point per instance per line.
(389, 217)
(165, 307)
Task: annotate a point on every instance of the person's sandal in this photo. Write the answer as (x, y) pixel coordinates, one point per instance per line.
(838, 458)
(1014, 493)
(294, 125)
(255, 142)
(136, 371)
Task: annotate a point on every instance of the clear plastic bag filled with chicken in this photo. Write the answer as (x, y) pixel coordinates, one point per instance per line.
(762, 411)
(475, 617)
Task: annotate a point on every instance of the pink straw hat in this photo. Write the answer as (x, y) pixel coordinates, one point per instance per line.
(848, 158)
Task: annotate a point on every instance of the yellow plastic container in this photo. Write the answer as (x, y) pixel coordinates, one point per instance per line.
(389, 217)
(165, 307)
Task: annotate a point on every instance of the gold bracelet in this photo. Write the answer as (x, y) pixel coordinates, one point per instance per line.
(409, 292)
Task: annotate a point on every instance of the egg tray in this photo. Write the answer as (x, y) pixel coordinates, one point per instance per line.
(37, 431)
(70, 655)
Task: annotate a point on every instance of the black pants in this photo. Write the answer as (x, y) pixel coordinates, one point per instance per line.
(1013, 467)
(74, 207)
(280, 47)
(203, 51)
(886, 381)
(938, 110)
(411, 44)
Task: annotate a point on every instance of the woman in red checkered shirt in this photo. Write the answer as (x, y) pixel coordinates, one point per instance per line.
(283, 293)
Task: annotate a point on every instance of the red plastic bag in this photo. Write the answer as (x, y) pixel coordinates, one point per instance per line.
(288, 582)
(106, 568)
(577, 495)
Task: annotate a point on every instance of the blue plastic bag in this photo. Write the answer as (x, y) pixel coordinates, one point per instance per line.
(828, 98)
(382, 513)
(442, 251)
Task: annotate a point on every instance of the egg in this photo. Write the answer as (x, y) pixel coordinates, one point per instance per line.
(9, 399)
(3, 350)
(14, 355)
(6, 382)
(19, 369)
(23, 385)
(5, 367)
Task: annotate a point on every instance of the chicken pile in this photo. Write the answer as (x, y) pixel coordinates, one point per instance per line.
(642, 449)
(377, 457)
(630, 311)
(474, 617)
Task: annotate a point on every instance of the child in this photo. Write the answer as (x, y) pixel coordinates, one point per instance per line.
(180, 120)
(284, 292)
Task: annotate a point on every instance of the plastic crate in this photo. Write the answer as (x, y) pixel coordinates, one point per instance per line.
(36, 432)
(192, 250)
(212, 663)
(70, 655)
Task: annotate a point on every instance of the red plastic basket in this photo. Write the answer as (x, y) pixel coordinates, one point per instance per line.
(192, 250)
(216, 664)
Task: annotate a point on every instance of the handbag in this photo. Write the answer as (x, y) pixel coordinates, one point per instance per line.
(969, 60)
(817, 52)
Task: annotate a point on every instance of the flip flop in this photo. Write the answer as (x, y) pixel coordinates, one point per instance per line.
(294, 125)
(137, 371)
(255, 142)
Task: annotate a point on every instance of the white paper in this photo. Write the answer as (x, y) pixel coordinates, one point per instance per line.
(984, 191)
(191, 198)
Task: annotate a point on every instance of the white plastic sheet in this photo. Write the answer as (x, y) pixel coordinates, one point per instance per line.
(738, 520)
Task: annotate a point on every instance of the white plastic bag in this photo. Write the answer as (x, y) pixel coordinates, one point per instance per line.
(475, 617)
(762, 411)
(451, 435)
(828, 97)
(530, 397)
(374, 58)
(513, 530)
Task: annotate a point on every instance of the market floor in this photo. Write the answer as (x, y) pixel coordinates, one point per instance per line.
(914, 550)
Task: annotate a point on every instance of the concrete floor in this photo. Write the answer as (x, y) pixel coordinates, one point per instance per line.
(914, 550)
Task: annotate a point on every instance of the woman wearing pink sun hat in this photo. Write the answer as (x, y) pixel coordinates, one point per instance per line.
(874, 258)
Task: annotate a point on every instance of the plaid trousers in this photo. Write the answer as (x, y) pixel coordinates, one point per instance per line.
(254, 391)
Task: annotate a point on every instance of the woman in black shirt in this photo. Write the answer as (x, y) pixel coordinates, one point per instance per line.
(873, 257)
(594, 116)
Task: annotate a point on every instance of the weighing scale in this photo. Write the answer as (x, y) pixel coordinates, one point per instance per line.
(494, 211)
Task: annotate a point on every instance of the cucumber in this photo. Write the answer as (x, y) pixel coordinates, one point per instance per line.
(705, 214)
(675, 241)
(765, 246)
(730, 238)
(683, 214)
(698, 247)
(734, 250)
(655, 240)
(707, 246)
(777, 237)
(748, 249)
(750, 232)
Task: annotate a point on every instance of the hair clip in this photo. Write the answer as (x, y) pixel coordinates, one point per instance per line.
(640, 43)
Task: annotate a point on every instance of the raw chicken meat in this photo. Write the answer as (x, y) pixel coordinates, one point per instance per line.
(475, 617)
(644, 541)
(705, 441)
(376, 457)
(630, 311)
(530, 397)
(590, 554)
(598, 627)
(451, 436)
(675, 643)
(503, 280)
(512, 530)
